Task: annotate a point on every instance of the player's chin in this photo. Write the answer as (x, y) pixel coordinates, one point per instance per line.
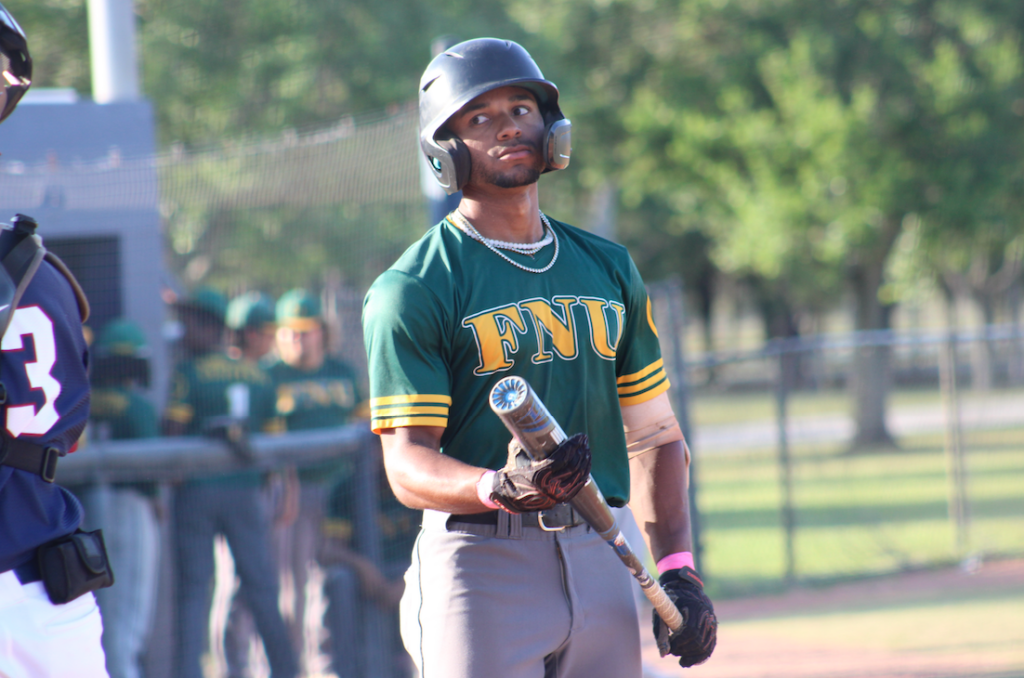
(516, 177)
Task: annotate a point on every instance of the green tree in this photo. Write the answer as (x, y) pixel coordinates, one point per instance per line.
(806, 132)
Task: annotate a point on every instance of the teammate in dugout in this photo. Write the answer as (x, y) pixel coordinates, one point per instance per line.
(44, 403)
(505, 579)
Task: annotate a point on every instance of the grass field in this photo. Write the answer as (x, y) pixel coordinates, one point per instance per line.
(856, 514)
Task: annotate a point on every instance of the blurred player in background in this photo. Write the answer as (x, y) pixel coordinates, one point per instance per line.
(45, 406)
(506, 579)
(363, 596)
(127, 511)
(250, 320)
(209, 389)
(313, 390)
(250, 317)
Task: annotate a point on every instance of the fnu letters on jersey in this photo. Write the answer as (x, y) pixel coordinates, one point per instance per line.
(555, 325)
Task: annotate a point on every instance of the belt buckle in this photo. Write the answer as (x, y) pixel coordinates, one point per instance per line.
(558, 513)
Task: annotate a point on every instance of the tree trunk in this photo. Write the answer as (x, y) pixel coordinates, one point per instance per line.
(870, 380)
(982, 351)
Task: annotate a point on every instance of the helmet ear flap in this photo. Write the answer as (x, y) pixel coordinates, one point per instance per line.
(558, 144)
(461, 163)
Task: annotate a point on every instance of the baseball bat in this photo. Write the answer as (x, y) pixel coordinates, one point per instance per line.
(526, 418)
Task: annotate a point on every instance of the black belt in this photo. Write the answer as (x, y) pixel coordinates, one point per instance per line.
(26, 456)
(555, 518)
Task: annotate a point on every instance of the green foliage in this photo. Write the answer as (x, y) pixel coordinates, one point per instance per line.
(58, 40)
(217, 69)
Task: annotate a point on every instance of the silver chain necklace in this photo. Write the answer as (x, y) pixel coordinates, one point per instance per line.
(532, 248)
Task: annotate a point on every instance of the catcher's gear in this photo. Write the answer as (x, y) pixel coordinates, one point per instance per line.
(465, 71)
(525, 485)
(694, 642)
(15, 63)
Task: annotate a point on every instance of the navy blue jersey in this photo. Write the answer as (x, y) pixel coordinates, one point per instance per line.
(43, 362)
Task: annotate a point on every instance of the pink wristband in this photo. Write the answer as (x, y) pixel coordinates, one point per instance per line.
(676, 561)
(483, 489)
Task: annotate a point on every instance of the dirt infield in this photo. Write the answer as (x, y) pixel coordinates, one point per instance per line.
(937, 624)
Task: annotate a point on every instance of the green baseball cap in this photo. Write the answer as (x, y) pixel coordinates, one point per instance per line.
(206, 299)
(252, 310)
(299, 310)
(122, 337)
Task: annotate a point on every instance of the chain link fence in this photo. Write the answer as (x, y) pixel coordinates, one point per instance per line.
(794, 487)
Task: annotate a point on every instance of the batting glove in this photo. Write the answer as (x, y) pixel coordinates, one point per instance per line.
(694, 642)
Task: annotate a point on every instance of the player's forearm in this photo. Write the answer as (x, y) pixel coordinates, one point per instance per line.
(423, 478)
(659, 501)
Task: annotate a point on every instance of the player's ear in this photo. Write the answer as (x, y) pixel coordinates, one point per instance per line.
(462, 163)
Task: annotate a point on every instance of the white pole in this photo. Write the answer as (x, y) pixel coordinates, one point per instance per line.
(115, 72)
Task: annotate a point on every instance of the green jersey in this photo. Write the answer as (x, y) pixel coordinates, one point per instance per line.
(450, 318)
(203, 388)
(123, 414)
(316, 399)
(119, 413)
(397, 525)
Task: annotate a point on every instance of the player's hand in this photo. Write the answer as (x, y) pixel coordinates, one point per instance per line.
(525, 485)
(694, 642)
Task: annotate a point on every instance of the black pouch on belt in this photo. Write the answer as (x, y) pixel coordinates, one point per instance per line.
(74, 565)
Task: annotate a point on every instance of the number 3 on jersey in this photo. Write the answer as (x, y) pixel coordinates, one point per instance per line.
(24, 419)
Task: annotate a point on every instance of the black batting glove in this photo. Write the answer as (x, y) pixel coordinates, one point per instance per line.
(694, 642)
(525, 485)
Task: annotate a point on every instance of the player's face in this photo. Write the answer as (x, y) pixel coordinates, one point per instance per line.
(258, 342)
(503, 130)
(303, 349)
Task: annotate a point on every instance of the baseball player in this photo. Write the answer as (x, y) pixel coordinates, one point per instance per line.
(44, 402)
(506, 580)
(128, 511)
(250, 317)
(208, 387)
(313, 390)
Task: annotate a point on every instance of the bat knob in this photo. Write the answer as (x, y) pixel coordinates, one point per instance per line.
(509, 394)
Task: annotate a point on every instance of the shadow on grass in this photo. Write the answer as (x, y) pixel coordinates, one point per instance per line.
(860, 514)
(732, 588)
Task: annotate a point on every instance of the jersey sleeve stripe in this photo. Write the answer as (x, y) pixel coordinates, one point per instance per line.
(398, 422)
(643, 385)
(637, 376)
(406, 399)
(646, 395)
(396, 411)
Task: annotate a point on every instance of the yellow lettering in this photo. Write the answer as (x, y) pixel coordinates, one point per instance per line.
(600, 332)
(495, 333)
(560, 327)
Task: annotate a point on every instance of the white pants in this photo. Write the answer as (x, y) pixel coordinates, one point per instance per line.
(41, 640)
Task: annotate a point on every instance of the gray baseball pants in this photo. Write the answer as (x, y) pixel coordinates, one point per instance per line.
(513, 601)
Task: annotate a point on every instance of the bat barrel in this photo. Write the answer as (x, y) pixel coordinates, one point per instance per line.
(525, 416)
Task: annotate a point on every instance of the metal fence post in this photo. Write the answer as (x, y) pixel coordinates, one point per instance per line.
(785, 469)
(955, 471)
(673, 292)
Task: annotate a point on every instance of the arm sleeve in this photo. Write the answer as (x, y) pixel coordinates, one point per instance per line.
(640, 372)
(403, 327)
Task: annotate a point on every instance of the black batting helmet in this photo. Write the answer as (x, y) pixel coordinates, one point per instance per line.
(465, 71)
(15, 63)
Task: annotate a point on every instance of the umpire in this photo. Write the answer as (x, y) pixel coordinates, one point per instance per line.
(50, 625)
(506, 580)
